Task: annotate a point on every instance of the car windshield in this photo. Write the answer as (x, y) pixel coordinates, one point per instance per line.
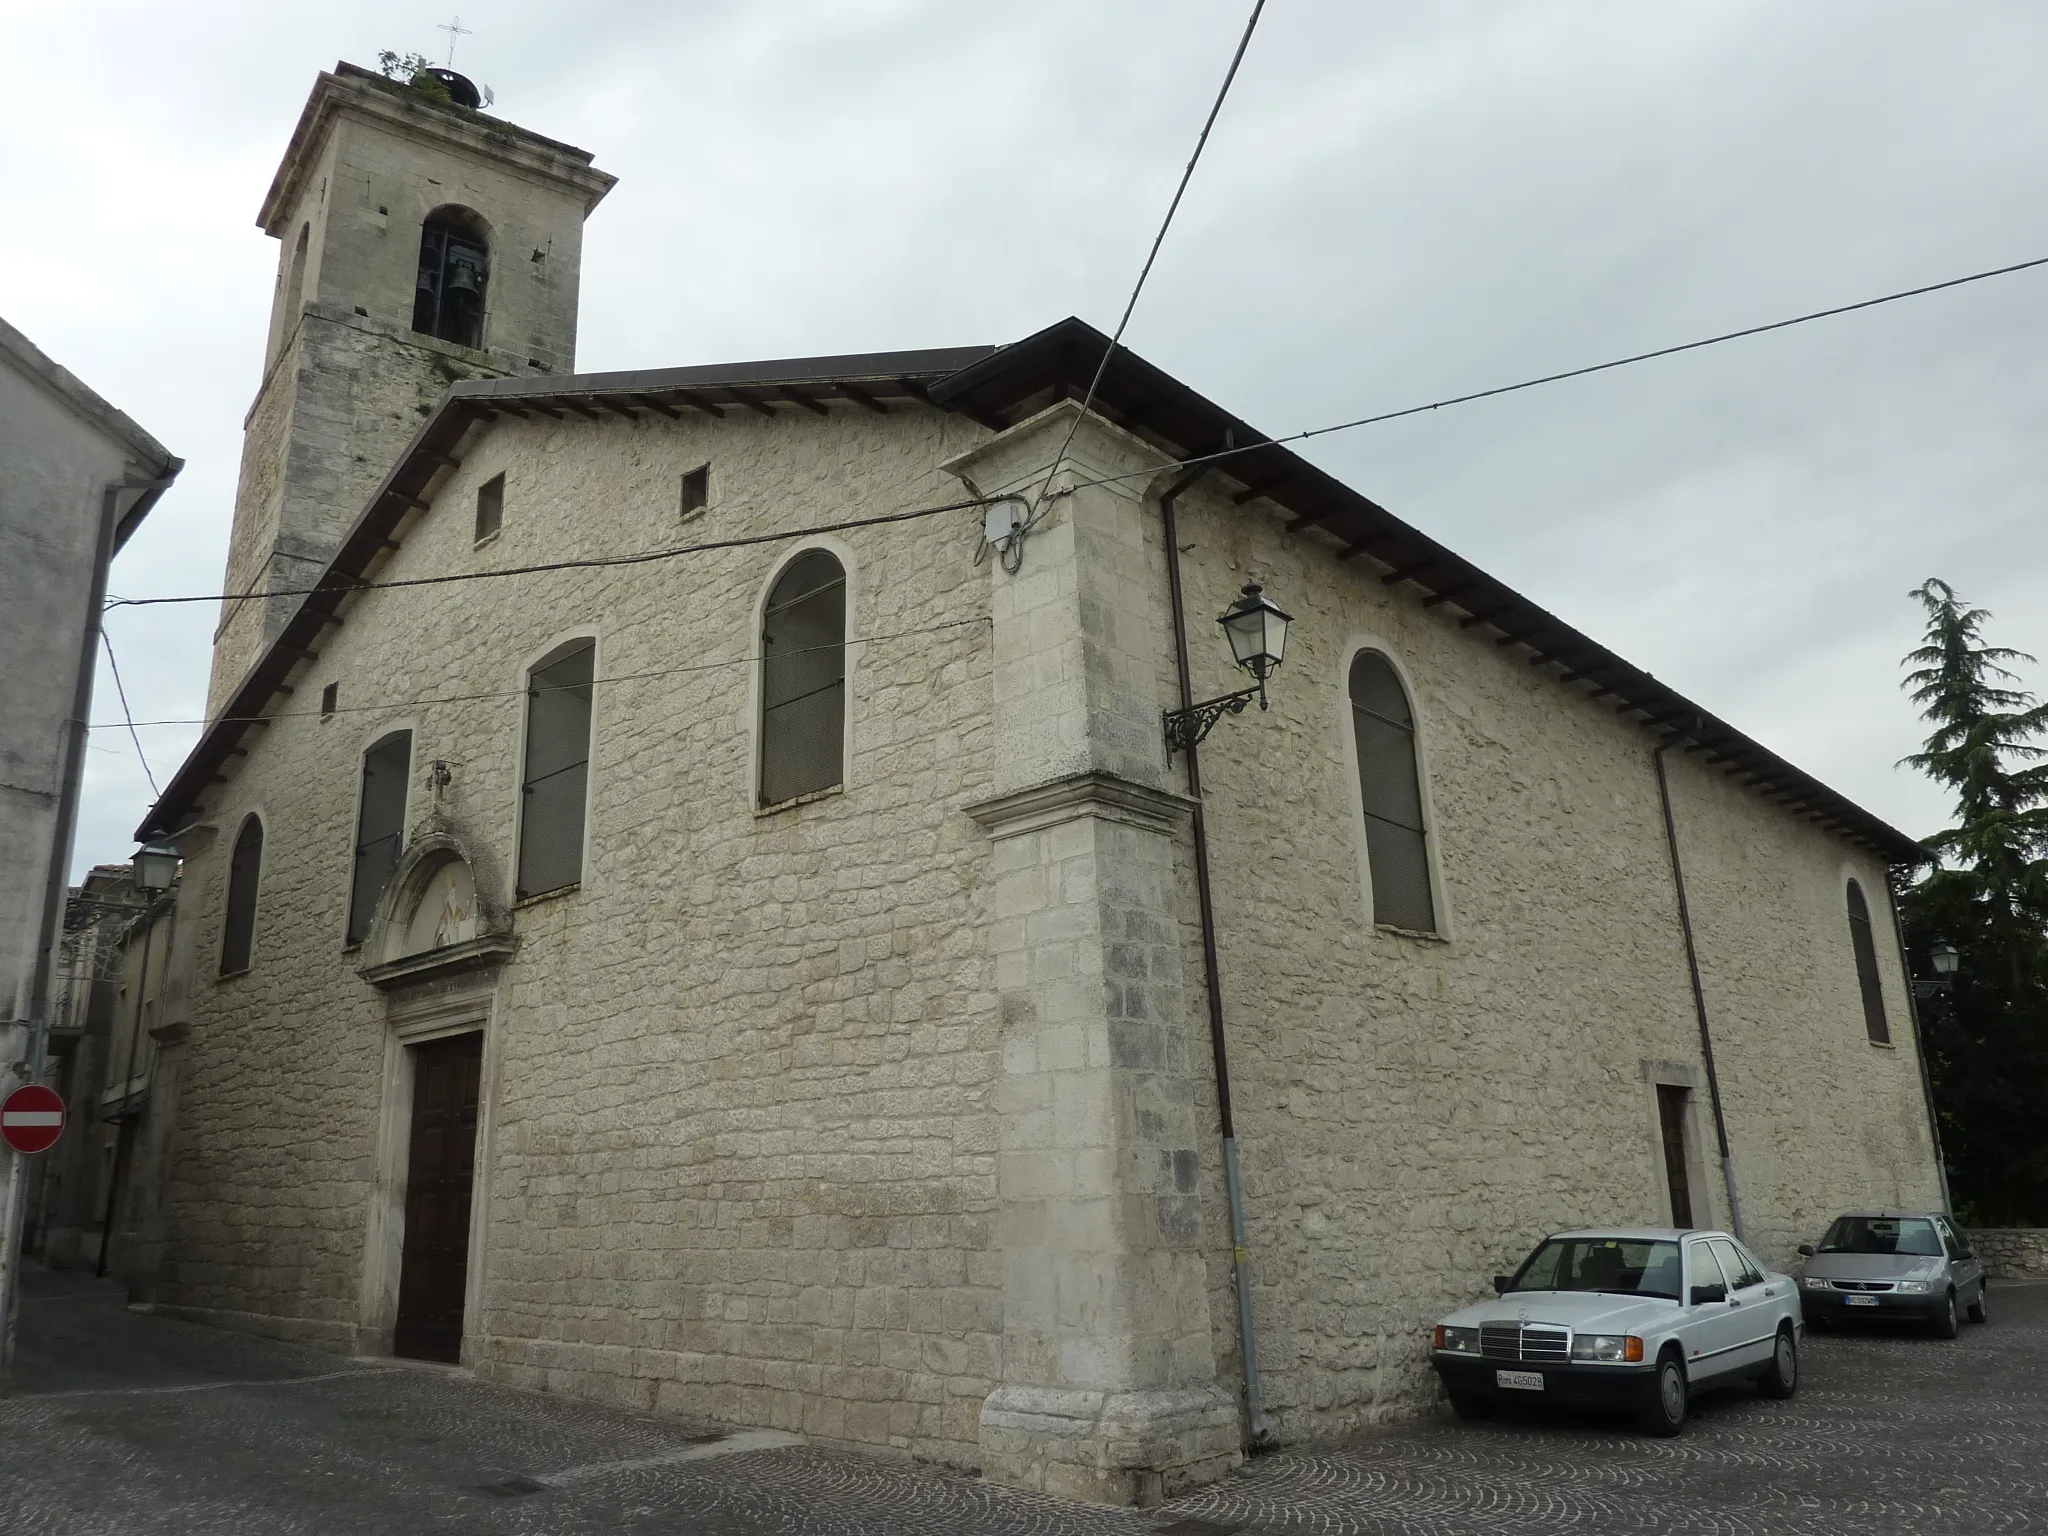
(1620, 1265)
(1911, 1235)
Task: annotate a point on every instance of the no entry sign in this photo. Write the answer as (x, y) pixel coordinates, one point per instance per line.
(31, 1118)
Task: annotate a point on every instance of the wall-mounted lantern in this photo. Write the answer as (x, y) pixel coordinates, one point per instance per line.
(1258, 640)
(1944, 959)
(155, 867)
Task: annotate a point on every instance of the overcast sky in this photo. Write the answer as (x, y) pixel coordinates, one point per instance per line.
(1401, 202)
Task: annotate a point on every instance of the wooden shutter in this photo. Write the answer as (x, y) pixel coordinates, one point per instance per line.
(803, 680)
(558, 694)
(1864, 943)
(1390, 787)
(245, 870)
(380, 827)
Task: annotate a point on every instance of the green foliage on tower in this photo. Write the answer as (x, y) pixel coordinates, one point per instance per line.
(1986, 1033)
(417, 71)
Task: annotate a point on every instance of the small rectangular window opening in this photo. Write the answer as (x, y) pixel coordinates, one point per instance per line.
(330, 696)
(490, 507)
(696, 490)
(1671, 1113)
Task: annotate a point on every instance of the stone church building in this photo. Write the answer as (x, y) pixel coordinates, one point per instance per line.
(696, 907)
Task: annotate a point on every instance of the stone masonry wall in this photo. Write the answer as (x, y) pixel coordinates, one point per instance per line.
(1415, 1112)
(345, 398)
(2011, 1253)
(742, 1156)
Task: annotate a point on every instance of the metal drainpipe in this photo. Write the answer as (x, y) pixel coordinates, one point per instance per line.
(1948, 1207)
(1219, 1049)
(1699, 996)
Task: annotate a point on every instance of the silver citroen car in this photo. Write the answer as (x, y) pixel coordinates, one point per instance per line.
(1881, 1266)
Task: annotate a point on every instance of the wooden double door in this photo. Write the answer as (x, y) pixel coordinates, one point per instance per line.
(440, 1181)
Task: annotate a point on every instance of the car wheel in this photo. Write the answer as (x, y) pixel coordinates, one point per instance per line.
(1470, 1406)
(1979, 1309)
(1781, 1376)
(1945, 1320)
(1664, 1414)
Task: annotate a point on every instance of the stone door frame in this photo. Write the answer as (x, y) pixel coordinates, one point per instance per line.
(434, 1012)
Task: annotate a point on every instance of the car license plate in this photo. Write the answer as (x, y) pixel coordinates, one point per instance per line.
(1523, 1381)
(1860, 1301)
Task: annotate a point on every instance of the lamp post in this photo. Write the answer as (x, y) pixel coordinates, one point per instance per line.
(1257, 630)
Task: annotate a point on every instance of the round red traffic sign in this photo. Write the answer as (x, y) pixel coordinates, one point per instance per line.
(32, 1118)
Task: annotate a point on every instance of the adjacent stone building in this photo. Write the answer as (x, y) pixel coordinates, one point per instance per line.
(77, 477)
(697, 909)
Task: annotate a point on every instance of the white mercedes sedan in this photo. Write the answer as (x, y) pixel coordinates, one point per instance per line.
(1635, 1319)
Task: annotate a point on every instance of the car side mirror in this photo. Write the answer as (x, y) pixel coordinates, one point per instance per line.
(1966, 1254)
(1806, 1250)
(1705, 1295)
(1501, 1284)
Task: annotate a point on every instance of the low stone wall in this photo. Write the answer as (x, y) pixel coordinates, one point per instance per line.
(2011, 1253)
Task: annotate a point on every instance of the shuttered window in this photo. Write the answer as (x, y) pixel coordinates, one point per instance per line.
(1396, 842)
(1864, 942)
(803, 680)
(490, 507)
(380, 827)
(557, 769)
(245, 870)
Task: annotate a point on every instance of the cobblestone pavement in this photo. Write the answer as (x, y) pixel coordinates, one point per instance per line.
(116, 1422)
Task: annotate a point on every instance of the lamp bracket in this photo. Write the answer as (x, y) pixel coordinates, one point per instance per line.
(1185, 728)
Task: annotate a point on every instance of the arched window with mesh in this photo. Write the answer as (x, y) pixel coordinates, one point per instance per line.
(455, 269)
(803, 680)
(1390, 788)
(1864, 942)
(245, 873)
(380, 827)
(557, 773)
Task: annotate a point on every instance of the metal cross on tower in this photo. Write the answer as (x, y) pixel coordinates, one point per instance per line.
(455, 29)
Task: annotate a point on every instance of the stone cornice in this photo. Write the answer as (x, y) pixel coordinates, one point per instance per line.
(434, 964)
(1085, 794)
(1015, 458)
(350, 88)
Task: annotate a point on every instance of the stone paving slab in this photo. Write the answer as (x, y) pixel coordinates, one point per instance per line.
(116, 1422)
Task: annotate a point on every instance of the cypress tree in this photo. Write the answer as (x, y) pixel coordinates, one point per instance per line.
(1986, 1035)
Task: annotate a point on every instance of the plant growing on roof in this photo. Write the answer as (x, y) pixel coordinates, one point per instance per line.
(415, 70)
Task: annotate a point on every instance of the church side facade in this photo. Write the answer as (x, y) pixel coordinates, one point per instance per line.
(767, 983)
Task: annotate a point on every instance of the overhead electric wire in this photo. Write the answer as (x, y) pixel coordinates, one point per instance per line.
(1187, 175)
(386, 706)
(782, 535)
(594, 562)
(127, 714)
(1570, 373)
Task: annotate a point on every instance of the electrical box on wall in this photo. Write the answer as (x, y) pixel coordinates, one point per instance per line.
(1004, 520)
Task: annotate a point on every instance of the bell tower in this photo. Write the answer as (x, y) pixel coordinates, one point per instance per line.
(421, 242)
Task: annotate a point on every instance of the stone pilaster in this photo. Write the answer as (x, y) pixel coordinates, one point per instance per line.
(1108, 1389)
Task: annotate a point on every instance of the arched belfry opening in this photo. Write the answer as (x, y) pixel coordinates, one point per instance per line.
(455, 268)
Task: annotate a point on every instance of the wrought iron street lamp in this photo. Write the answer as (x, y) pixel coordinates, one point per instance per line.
(1258, 640)
(1944, 959)
(155, 867)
